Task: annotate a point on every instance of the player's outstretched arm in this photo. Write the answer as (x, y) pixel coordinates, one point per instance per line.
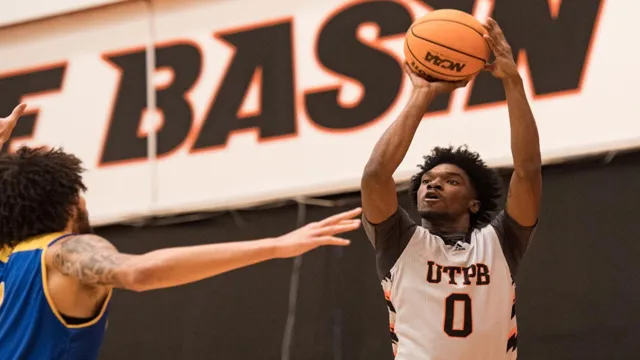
(525, 189)
(94, 261)
(379, 199)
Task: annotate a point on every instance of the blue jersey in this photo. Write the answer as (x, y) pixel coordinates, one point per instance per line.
(31, 328)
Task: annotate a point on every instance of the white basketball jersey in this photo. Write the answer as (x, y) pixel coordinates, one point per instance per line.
(448, 300)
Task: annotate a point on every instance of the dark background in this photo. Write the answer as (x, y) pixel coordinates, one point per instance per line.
(577, 287)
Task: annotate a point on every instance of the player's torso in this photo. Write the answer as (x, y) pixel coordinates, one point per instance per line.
(452, 302)
(29, 326)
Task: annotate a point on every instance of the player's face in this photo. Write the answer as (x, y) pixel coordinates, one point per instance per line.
(81, 219)
(446, 193)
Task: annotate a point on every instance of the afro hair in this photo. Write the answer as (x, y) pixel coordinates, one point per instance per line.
(40, 188)
(483, 179)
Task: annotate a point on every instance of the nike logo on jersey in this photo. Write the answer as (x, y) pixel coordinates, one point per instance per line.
(459, 275)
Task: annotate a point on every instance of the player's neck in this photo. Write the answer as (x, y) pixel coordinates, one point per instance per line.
(446, 226)
(69, 227)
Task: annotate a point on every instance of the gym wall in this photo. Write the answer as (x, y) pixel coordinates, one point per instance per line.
(576, 286)
(171, 97)
(253, 102)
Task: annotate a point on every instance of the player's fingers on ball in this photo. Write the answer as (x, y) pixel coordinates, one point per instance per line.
(486, 24)
(488, 27)
(504, 45)
(497, 30)
(407, 69)
(501, 52)
(491, 43)
(496, 33)
(458, 84)
(341, 216)
(489, 67)
(332, 240)
(492, 23)
(462, 83)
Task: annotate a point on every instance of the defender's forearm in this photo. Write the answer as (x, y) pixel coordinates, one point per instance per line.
(183, 265)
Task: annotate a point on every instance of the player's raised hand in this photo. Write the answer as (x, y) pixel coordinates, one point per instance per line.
(504, 65)
(438, 87)
(318, 234)
(8, 123)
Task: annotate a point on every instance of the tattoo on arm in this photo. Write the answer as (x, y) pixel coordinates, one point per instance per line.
(90, 259)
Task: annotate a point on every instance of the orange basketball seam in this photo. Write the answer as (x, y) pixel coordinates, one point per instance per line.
(453, 21)
(446, 47)
(428, 67)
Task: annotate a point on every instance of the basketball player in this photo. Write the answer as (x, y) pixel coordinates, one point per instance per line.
(56, 278)
(449, 281)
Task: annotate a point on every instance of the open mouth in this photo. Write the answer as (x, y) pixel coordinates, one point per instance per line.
(432, 195)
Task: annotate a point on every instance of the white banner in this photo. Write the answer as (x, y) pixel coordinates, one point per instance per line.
(18, 11)
(258, 101)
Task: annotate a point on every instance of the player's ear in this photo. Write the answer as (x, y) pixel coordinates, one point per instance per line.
(474, 206)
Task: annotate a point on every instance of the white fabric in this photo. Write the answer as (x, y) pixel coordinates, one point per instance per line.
(420, 305)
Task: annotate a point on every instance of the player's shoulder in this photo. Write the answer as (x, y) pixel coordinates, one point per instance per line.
(81, 242)
(490, 231)
(397, 228)
(424, 233)
(73, 248)
(507, 228)
(497, 224)
(487, 227)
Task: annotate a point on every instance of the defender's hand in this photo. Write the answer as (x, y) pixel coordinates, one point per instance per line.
(9, 123)
(317, 234)
(504, 66)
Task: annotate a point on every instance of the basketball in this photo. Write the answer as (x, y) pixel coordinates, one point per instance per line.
(446, 45)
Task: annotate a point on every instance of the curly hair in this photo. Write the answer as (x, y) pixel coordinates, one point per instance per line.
(39, 188)
(484, 180)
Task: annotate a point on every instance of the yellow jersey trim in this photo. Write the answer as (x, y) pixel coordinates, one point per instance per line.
(33, 243)
(54, 310)
(5, 251)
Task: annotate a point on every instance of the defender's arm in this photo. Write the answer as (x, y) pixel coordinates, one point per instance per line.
(93, 261)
